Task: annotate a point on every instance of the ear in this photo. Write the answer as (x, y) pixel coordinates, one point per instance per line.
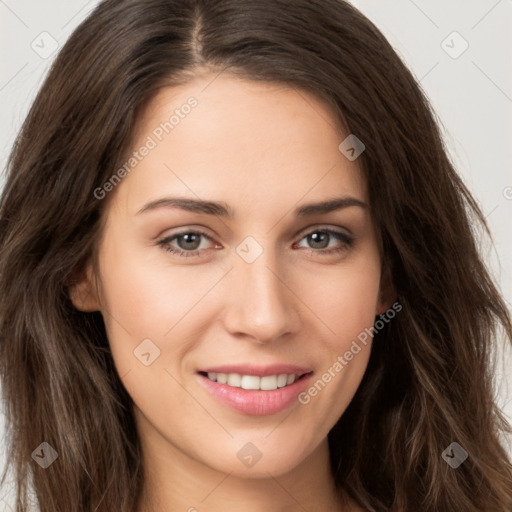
(82, 290)
(387, 292)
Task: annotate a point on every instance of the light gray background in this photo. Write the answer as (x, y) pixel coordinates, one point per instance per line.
(471, 92)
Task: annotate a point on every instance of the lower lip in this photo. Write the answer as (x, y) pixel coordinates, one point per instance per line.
(253, 401)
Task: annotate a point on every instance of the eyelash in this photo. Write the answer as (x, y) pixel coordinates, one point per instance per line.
(346, 239)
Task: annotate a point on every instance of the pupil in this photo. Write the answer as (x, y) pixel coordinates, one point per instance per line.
(187, 238)
(316, 238)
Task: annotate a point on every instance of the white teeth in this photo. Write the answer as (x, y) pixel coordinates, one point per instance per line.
(267, 383)
(234, 380)
(250, 382)
(281, 380)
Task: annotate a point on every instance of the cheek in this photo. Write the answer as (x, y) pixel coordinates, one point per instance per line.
(347, 307)
(346, 301)
(145, 298)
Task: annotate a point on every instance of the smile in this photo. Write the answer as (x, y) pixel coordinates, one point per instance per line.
(252, 390)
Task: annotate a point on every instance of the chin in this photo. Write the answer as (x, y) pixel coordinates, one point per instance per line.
(258, 458)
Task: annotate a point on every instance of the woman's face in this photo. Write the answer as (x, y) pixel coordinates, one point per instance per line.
(256, 286)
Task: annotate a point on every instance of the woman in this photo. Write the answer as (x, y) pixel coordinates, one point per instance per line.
(238, 271)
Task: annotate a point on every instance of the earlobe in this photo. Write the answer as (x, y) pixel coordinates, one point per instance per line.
(383, 305)
(83, 292)
(387, 291)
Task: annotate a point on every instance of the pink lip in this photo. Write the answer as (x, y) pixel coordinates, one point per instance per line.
(257, 402)
(260, 371)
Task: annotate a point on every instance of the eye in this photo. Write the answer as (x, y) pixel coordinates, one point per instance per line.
(320, 238)
(189, 242)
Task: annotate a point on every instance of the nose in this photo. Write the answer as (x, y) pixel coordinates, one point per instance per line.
(262, 305)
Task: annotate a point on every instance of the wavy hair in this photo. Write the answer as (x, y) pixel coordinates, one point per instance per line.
(429, 381)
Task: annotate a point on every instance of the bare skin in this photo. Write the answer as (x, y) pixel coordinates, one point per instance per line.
(264, 150)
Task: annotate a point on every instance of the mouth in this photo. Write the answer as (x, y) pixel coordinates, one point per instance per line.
(255, 391)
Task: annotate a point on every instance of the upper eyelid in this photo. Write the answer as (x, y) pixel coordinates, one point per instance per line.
(324, 227)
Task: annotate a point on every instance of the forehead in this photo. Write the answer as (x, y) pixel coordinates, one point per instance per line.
(243, 142)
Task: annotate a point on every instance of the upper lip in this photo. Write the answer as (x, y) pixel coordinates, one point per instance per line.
(259, 371)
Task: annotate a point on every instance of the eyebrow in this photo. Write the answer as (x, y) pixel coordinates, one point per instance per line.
(222, 209)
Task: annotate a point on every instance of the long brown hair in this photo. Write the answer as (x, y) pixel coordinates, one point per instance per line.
(429, 381)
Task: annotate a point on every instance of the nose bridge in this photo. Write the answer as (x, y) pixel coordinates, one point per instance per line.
(261, 304)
